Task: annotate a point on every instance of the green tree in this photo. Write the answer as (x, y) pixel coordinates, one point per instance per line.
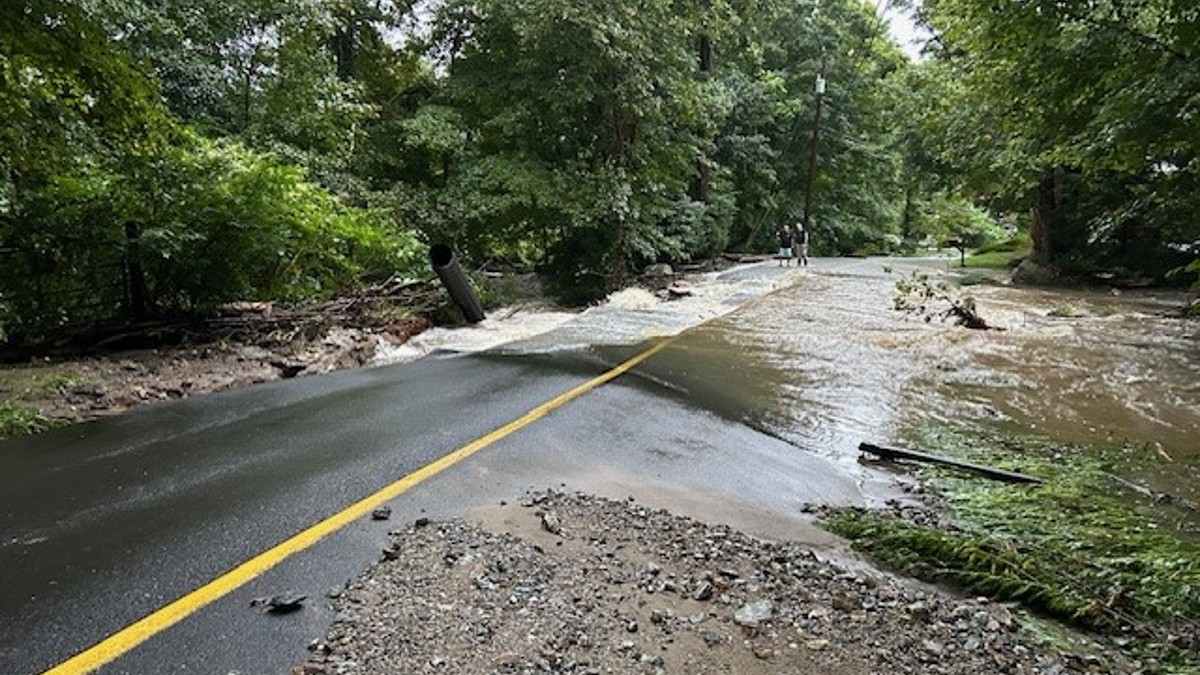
(1098, 97)
(181, 230)
(65, 95)
(768, 142)
(582, 119)
(110, 209)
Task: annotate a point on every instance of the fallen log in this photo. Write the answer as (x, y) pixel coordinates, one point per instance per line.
(986, 471)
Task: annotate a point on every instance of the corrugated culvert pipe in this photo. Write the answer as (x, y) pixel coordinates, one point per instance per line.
(446, 266)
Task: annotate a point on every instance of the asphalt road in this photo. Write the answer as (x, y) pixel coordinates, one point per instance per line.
(104, 523)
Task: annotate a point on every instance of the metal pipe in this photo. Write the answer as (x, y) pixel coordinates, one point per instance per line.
(446, 266)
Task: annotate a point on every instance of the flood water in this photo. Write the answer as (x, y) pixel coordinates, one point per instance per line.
(820, 358)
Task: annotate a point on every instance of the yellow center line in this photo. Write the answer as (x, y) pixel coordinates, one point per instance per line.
(131, 636)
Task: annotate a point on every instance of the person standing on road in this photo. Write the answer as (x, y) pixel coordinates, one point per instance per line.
(785, 244)
(800, 243)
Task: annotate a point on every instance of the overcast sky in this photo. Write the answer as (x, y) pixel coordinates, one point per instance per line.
(904, 30)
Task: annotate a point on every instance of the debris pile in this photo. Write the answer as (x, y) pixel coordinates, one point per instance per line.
(592, 585)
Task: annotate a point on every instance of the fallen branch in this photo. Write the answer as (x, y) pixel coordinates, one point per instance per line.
(916, 293)
(986, 471)
(379, 306)
(1160, 497)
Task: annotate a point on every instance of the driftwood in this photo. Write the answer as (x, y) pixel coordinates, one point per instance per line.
(377, 306)
(966, 316)
(986, 471)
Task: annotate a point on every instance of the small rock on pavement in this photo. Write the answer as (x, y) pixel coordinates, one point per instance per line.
(381, 513)
(284, 603)
(845, 602)
(764, 652)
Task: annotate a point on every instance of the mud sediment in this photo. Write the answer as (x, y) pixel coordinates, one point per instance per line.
(576, 583)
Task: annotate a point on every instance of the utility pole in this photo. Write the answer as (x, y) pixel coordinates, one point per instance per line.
(700, 187)
(812, 150)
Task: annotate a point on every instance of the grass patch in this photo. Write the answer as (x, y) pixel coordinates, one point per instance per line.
(1020, 242)
(37, 380)
(1074, 549)
(21, 387)
(975, 279)
(998, 260)
(1002, 255)
(18, 419)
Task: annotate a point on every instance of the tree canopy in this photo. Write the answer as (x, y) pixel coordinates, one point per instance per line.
(163, 157)
(1090, 115)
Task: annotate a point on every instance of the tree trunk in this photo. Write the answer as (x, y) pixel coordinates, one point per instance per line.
(246, 96)
(135, 274)
(700, 187)
(343, 47)
(1055, 230)
(907, 216)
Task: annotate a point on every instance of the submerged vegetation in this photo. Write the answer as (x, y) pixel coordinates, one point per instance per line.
(928, 299)
(1077, 548)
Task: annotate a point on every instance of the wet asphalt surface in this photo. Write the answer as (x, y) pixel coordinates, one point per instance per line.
(103, 523)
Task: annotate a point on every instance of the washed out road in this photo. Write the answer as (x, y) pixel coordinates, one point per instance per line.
(105, 523)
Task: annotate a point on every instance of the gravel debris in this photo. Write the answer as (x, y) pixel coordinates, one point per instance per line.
(615, 587)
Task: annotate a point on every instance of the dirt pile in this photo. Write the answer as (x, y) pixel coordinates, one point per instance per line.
(581, 584)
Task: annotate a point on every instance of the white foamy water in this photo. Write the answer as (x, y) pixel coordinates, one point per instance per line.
(628, 316)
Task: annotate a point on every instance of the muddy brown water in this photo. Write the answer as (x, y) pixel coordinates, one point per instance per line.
(821, 358)
(827, 362)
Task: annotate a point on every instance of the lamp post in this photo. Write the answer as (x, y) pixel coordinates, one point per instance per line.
(812, 150)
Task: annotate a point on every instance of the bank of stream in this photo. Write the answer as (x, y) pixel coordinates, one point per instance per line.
(1096, 392)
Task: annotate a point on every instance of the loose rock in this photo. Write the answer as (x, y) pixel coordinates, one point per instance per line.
(754, 613)
(634, 590)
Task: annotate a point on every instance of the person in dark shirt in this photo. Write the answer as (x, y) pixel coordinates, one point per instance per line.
(785, 244)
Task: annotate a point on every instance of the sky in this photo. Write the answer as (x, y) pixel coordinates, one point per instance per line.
(904, 29)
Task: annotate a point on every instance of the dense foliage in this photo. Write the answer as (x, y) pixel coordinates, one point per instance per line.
(164, 157)
(111, 207)
(1085, 113)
